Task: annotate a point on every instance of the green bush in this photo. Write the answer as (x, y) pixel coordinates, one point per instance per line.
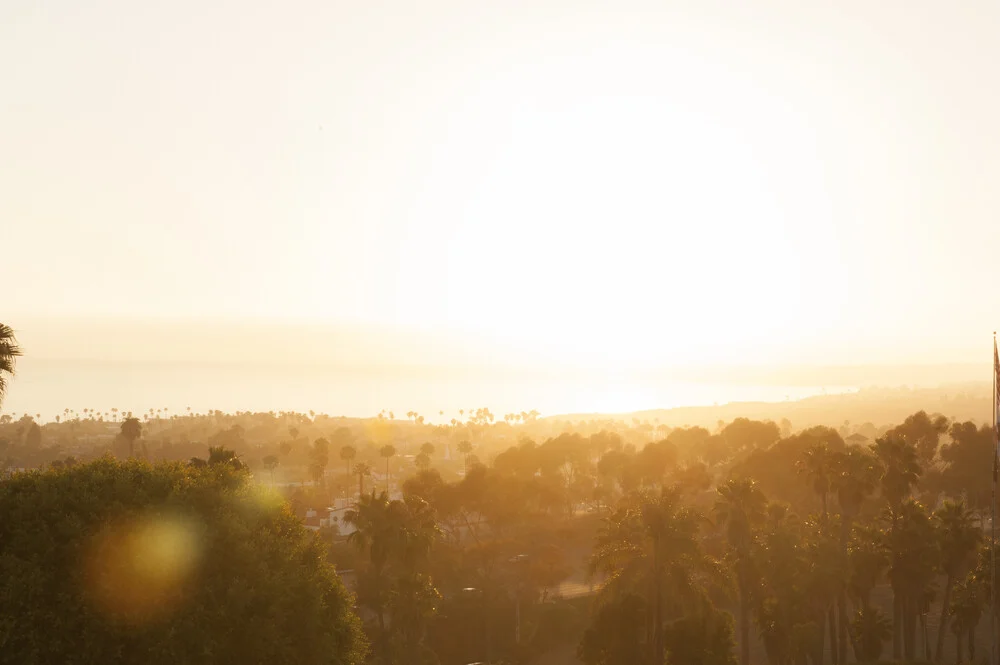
(132, 563)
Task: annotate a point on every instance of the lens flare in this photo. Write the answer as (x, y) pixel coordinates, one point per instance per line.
(141, 569)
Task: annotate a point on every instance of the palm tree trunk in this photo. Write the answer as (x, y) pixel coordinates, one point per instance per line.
(744, 622)
(897, 602)
(959, 655)
(926, 636)
(842, 624)
(648, 615)
(856, 648)
(909, 630)
(943, 625)
(897, 625)
(846, 524)
(972, 643)
(657, 607)
(832, 618)
(383, 641)
(819, 647)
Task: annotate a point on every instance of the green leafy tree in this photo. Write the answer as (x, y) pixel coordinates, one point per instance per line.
(33, 438)
(744, 435)
(923, 432)
(963, 474)
(125, 562)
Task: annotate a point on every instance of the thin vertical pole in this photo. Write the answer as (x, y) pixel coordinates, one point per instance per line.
(993, 520)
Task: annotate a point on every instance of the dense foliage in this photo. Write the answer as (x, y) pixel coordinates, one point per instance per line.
(524, 540)
(125, 563)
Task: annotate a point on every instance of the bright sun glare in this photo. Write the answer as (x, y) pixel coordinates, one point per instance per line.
(650, 223)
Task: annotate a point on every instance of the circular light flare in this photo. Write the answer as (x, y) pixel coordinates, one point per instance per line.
(139, 570)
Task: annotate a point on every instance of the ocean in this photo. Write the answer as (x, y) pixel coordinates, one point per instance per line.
(47, 387)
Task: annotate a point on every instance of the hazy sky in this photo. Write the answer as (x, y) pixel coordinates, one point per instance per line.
(677, 180)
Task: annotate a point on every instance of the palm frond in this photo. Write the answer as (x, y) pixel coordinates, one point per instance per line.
(9, 351)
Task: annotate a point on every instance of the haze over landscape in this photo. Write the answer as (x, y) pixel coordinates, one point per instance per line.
(540, 332)
(557, 182)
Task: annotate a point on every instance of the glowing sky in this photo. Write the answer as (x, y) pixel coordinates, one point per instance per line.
(683, 181)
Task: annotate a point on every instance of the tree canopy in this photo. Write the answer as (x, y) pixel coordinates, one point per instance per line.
(126, 562)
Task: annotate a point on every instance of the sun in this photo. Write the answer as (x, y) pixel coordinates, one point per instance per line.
(612, 234)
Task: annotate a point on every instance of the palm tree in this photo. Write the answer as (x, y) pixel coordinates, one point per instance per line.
(427, 449)
(900, 469)
(740, 507)
(131, 430)
(219, 455)
(855, 477)
(271, 463)
(319, 458)
(959, 538)
(377, 533)
(648, 541)
(387, 451)
(900, 472)
(363, 470)
(348, 453)
(967, 609)
(914, 563)
(827, 575)
(224, 456)
(779, 610)
(868, 561)
(818, 463)
(9, 352)
(869, 630)
(401, 531)
(465, 448)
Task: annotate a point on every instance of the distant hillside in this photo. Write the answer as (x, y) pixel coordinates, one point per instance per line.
(967, 401)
